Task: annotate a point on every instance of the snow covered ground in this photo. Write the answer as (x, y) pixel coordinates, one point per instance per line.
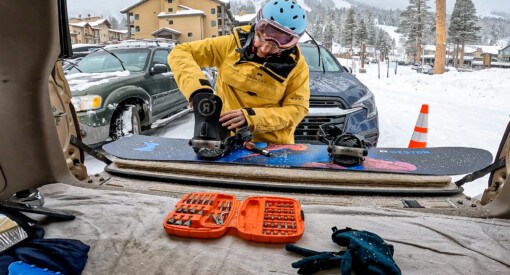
(465, 109)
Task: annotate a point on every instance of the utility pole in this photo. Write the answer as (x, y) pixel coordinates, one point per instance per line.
(439, 62)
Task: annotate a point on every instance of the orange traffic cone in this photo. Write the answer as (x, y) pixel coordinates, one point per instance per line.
(419, 139)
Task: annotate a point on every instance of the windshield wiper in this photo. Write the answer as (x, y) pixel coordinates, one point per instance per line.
(74, 66)
(319, 50)
(121, 62)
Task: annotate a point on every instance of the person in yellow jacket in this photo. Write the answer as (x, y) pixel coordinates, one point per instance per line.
(263, 79)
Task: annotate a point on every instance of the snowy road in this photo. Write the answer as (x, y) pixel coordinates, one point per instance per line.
(465, 109)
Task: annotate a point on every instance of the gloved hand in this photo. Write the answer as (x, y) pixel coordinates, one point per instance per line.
(367, 253)
(314, 261)
(364, 253)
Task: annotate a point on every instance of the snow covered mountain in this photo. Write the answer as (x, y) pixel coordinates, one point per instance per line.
(484, 7)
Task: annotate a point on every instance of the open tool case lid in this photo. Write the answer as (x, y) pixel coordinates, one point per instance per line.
(258, 219)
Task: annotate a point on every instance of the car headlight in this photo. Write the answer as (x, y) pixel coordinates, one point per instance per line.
(367, 102)
(86, 102)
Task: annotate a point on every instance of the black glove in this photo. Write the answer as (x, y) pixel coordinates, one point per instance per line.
(314, 261)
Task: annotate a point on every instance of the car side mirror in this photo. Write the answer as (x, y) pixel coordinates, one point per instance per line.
(159, 69)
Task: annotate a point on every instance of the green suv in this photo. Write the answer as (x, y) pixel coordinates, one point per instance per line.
(121, 89)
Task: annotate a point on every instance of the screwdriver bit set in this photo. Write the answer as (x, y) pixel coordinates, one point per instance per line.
(258, 219)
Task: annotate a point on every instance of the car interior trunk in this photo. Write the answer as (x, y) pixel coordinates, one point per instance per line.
(119, 213)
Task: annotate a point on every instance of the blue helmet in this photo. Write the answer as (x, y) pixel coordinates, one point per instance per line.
(287, 13)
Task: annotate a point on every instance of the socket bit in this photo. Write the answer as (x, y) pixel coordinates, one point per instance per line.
(204, 200)
(188, 223)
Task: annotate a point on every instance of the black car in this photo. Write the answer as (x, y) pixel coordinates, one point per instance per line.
(337, 97)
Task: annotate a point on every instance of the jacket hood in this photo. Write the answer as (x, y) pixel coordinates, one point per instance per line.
(347, 86)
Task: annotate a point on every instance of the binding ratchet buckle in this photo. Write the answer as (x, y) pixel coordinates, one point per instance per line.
(345, 149)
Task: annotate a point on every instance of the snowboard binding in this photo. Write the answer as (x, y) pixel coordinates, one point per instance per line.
(211, 140)
(345, 149)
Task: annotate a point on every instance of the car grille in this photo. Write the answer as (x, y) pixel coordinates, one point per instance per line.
(306, 131)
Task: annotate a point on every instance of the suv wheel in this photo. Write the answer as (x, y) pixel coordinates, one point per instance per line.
(126, 122)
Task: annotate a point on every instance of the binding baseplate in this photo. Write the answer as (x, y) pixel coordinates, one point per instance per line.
(345, 149)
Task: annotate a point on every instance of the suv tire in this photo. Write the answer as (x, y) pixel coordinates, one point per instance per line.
(126, 122)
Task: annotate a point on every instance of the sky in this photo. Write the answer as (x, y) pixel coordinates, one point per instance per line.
(108, 8)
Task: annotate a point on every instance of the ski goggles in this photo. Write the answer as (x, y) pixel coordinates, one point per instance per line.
(272, 31)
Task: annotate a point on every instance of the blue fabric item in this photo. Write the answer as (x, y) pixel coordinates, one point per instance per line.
(59, 255)
(364, 253)
(21, 268)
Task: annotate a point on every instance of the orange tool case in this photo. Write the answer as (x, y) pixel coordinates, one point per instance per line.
(258, 219)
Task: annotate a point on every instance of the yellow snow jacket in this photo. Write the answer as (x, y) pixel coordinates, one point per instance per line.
(274, 96)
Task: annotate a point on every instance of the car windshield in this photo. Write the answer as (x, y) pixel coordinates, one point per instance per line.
(133, 60)
(311, 55)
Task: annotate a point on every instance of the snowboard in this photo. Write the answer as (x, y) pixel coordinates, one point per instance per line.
(425, 161)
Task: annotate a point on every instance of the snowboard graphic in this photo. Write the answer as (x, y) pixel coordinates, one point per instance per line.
(423, 161)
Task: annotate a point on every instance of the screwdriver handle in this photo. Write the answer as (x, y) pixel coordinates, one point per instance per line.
(256, 149)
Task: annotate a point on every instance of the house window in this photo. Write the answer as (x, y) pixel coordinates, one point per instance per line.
(170, 10)
(190, 34)
(213, 11)
(170, 22)
(137, 29)
(169, 1)
(213, 23)
(137, 16)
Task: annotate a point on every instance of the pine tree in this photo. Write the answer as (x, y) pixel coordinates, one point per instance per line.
(114, 23)
(328, 36)
(372, 34)
(463, 27)
(413, 26)
(123, 24)
(317, 31)
(361, 33)
(349, 30)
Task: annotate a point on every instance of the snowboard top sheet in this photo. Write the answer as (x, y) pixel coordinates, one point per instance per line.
(421, 161)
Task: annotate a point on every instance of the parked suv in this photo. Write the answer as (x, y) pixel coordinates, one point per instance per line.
(82, 50)
(337, 97)
(124, 88)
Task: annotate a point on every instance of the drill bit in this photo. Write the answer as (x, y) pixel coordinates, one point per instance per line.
(188, 223)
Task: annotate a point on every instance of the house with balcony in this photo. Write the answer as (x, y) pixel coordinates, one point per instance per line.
(89, 30)
(179, 20)
(93, 30)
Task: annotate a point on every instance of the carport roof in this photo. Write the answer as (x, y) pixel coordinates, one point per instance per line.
(166, 30)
